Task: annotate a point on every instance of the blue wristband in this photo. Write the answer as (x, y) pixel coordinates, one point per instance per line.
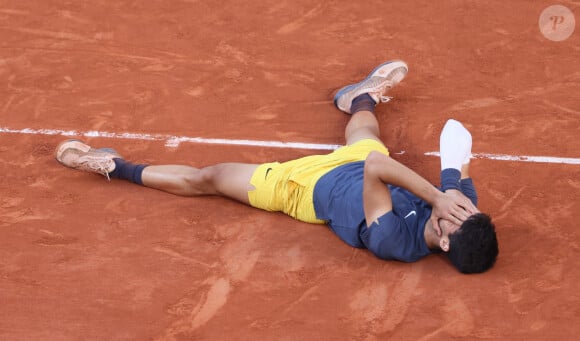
(450, 178)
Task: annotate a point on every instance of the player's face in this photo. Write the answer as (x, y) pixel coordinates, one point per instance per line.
(448, 227)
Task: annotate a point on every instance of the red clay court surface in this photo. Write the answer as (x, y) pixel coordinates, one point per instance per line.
(84, 259)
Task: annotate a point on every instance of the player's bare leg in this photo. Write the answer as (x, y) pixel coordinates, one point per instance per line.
(230, 180)
(362, 125)
(227, 179)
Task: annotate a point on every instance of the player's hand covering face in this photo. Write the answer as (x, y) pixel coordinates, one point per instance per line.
(452, 206)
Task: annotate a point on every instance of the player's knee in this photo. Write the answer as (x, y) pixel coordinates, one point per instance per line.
(211, 175)
(200, 181)
(375, 162)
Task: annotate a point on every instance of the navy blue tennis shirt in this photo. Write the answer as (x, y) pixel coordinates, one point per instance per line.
(399, 234)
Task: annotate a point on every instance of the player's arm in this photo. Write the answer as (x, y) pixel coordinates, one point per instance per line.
(455, 151)
(381, 169)
(465, 171)
(467, 186)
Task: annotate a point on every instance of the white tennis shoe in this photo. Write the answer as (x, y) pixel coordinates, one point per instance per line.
(78, 155)
(377, 83)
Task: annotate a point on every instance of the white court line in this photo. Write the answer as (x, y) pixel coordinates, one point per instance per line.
(174, 141)
(170, 140)
(521, 158)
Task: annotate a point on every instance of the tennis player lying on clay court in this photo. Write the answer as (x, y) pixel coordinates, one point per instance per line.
(368, 199)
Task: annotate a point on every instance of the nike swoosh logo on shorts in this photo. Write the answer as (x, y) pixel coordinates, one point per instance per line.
(410, 213)
(267, 171)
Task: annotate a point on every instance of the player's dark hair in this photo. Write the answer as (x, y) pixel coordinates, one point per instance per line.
(473, 247)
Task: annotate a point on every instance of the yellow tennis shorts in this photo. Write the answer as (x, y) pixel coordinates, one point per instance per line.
(289, 186)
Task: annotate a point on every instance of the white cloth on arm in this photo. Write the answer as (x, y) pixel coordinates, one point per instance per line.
(454, 145)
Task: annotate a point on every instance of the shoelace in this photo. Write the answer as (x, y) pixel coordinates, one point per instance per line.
(385, 99)
(97, 166)
(375, 84)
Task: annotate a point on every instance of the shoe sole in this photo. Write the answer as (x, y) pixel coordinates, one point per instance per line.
(72, 143)
(347, 88)
(80, 145)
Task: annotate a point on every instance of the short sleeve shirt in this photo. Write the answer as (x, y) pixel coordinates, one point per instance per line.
(399, 234)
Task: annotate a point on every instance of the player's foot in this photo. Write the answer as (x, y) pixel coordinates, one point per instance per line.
(377, 83)
(78, 155)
